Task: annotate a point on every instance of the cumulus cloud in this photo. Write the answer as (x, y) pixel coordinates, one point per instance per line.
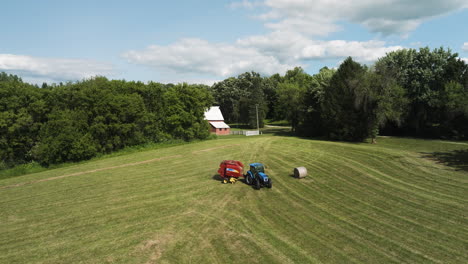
(200, 56)
(268, 54)
(56, 69)
(465, 46)
(293, 48)
(296, 37)
(321, 17)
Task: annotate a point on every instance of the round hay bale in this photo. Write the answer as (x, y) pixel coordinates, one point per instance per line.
(300, 172)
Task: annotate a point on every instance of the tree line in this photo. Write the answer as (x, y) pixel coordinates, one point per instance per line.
(408, 92)
(76, 121)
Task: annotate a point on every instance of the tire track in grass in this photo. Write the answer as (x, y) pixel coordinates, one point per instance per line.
(322, 222)
(369, 152)
(365, 190)
(363, 186)
(284, 155)
(421, 186)
(114, 167)
(347, 236)
(385, 183)
(205, 218)
(424, 193)
(255, 222)
(345, 231)
(297, 227)
(423, 179)
(371, 235)
(369, 155)
(210, 216)
(422, 176)
(261, 222)
(253, 149)
(89, 171)
(303, 219)
(388, 225)
(133, 207)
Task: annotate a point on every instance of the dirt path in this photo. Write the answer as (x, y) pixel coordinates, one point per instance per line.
(112, 167)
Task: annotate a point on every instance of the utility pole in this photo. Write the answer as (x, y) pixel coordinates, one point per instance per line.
(256, 109)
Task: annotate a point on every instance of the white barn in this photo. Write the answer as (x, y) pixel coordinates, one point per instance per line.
(216, 120)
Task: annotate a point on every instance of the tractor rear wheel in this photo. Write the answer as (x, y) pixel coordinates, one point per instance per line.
(248, 180)
(257, 184)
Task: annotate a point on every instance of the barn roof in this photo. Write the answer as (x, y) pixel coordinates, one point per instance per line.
(219, 124)
(214, 114)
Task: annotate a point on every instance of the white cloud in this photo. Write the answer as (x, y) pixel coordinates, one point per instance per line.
(321, 17)
(309, 26)
(57, 69)
(208, 82)
(267, 54)
(244, 4)
(465, 46)
(188, 56)
(294, 40)
(293, 48)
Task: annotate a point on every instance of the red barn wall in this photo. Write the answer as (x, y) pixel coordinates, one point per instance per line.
(220, 131)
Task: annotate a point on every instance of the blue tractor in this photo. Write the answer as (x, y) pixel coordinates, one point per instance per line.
(256, 176)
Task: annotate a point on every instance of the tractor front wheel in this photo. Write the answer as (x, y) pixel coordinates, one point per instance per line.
(257, 184)
(269, 183)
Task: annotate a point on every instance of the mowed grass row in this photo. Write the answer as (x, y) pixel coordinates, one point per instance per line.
(367, 203)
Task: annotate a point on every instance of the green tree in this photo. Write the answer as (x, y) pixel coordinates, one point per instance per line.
(22, 112)
(270, 90)
(238, 98)
(227, 94)
(65, 137)
(185, 106)
(390, 100)
(347, 106)
(312, 123)
(424, 75)
(291, 100)
(291, 93)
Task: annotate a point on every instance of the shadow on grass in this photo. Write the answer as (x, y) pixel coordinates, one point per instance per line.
(278, 131)
(457, 159)
(289, 133)
(217, 177)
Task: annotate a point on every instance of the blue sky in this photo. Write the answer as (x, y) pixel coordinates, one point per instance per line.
(207, 41)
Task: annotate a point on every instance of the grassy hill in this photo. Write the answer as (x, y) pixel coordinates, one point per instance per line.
(402, 200)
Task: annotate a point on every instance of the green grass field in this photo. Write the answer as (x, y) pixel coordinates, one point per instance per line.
(402, 200)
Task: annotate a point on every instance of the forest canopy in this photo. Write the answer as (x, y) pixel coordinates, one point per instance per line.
(422, 93)
(76, 121)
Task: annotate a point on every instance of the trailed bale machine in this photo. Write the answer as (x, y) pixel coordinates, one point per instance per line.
(230, 170)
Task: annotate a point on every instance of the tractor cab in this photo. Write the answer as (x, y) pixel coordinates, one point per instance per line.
(256, 168)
